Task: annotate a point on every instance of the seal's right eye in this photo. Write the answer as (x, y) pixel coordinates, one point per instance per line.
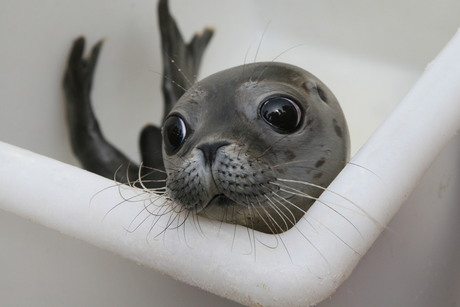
(281, 113)
(174, 134)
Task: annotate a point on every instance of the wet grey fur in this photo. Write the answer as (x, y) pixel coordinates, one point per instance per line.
(242, 184)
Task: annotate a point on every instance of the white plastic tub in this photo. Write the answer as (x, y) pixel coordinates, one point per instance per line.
(369, 53)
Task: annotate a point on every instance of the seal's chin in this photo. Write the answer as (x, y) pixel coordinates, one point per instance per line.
(222, 201)
(261, 216)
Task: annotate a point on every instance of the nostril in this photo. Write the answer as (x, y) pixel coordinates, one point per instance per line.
(210, 149)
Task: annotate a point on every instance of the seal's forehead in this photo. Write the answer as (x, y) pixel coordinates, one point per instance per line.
(223, 86)
(192, 103)
(264, 71)
(249, 83)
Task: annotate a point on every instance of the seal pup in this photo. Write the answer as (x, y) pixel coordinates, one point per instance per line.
(253, 145)
(250, 145)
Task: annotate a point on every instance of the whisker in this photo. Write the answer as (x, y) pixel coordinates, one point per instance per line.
(306, 160)
(261, 40)
(282, 199)
(234, 231)
(293, 221)
(184, 233)
(125, 200)
(170, 80)
(272, 222)
(365, 168)
(257, 51)
(277, 225)
(197, 224)
(116, 184)
(270, 147)
(302, 194)
(171, 219)
(287, 50)
(160, 210)
(336, 194)
(272, 230)
(337, 236)
(253, 240)
(281, 214)
(246, 57)
(128, 229)
(152, 169)
(190, 83)
(262, 71)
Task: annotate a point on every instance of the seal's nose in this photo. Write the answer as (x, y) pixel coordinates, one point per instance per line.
(209, 151)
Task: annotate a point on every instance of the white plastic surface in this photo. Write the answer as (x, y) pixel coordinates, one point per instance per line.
(22, 64)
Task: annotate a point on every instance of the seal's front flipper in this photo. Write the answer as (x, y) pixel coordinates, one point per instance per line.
(181, 60)
(88, 143)
(78, 78)
(153, 174)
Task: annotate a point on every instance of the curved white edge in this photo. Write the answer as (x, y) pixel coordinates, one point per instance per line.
(297, 268)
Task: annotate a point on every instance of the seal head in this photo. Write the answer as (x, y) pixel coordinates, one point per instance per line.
(250, 145)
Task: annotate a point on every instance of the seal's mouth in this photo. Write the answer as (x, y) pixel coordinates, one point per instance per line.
(219, 200)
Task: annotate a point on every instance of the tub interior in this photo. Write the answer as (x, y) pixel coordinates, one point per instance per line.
(368, 53)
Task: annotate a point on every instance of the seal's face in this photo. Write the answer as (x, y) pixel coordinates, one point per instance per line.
(245, 145)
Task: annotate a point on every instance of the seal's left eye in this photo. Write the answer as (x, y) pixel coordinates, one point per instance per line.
(281, 113)
(174, 134)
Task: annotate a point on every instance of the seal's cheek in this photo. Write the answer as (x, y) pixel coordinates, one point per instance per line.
(337, 128)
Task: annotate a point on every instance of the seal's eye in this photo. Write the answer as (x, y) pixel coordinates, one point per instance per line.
(282, 113)
(174, 134)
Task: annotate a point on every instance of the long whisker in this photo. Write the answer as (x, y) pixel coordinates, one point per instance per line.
(246, 57)
(148, 216)
(274, 222)
(190, 83)
(123, 201)
(337, 236)
(287, 50)
(302, 194)
(257, 52)
(341, 239)
(248, 231)
(270, 147)
(282, 164)
(170, 80)
(282, 199)
(336, 194)
(270, 227)
(281, 213)
(171, 219)
(261, 40)
(280, 202)
(262, 71)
